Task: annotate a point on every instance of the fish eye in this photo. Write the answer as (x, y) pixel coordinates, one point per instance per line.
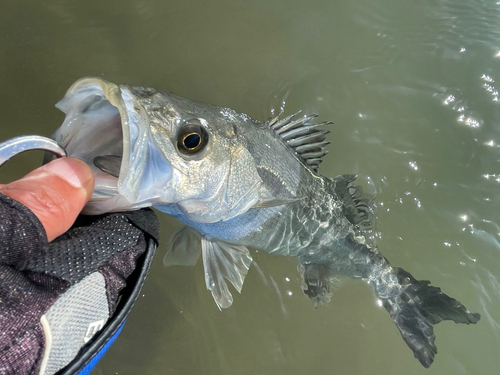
(191, 141)
(192, 138)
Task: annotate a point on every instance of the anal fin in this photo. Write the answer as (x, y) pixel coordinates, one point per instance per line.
(317, 282)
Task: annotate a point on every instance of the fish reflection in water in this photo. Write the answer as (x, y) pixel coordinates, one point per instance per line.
(237, 183)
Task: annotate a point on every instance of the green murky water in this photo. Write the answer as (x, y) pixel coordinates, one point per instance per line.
(412, 89)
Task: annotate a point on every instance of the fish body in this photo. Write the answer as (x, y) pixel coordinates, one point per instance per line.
(241, 183)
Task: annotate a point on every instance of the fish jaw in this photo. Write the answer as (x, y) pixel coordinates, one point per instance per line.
(105, 119)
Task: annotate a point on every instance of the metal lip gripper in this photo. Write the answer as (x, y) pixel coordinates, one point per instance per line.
(16, 145)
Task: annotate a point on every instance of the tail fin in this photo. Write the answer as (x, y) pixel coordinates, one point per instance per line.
(414, 305)
(417, 307)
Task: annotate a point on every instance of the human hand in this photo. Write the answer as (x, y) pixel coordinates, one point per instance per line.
(88, 264)
(55, 192)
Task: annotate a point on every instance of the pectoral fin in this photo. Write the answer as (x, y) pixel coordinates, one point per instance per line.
(222, 260)
(183, 248)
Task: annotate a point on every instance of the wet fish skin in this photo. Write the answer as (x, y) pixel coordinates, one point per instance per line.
(252, 184)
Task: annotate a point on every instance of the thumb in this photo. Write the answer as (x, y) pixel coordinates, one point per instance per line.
(55, 192)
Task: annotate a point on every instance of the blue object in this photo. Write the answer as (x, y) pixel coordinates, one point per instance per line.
(93, 362)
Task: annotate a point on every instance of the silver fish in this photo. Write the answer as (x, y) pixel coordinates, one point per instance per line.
(241, 183)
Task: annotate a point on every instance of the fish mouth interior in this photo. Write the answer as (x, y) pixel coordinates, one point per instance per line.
(97, 130)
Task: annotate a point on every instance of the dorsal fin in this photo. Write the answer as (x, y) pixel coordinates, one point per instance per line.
(357, 206)
(303, 137)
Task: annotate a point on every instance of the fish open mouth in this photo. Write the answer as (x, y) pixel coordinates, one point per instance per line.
(107, 128)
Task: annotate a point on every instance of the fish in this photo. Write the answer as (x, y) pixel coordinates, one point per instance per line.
(238, 183)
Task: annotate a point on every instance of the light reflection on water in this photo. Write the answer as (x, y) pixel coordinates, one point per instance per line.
(412, 89)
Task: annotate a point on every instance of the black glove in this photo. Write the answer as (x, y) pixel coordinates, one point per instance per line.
(63, 303)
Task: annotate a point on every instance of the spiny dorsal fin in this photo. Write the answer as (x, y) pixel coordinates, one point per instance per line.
(303, 137)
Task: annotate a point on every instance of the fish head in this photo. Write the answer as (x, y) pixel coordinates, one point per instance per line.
(150, 148)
